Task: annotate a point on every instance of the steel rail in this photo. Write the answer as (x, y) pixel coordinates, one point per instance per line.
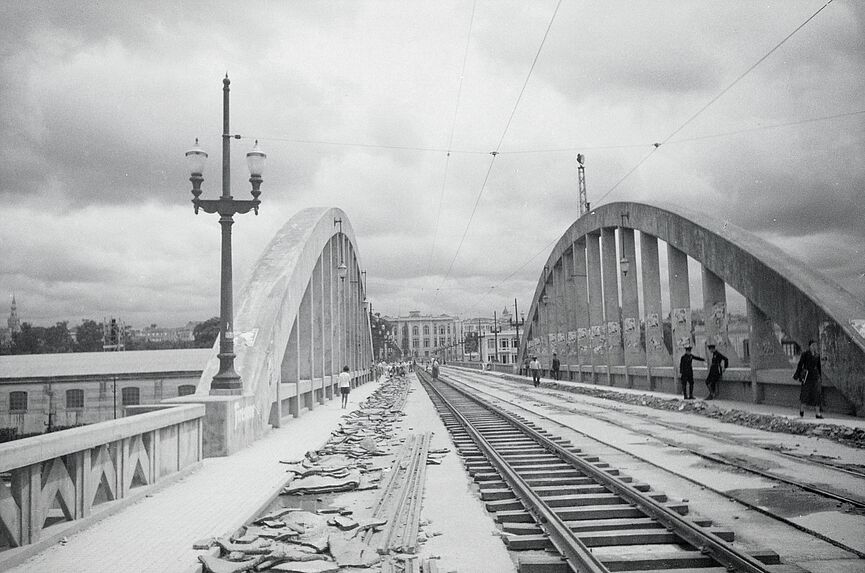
(575, 552)
(722, 493)
(856, 502)
(706, 541)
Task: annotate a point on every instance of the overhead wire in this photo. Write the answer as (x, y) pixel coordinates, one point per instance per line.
(451, 136)
(495, 153)
(559, 149)
(713, 100)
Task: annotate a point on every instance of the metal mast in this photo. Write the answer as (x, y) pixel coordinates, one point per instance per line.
(581, 172)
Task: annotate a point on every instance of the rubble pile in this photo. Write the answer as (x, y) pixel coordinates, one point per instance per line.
(345, 463)
(297, 540)
(854, 437)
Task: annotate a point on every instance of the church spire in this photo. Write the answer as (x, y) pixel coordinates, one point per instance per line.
(13, 322)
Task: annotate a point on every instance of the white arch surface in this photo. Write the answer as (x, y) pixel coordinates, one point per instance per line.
(268, 303)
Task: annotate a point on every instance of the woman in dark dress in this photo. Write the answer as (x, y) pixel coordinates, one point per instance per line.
(810, 374)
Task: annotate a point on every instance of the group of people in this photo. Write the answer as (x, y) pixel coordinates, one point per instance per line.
(808, 372)
(717, 364)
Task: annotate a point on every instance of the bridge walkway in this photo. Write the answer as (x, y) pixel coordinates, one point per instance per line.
(156, 534)
(791, 412)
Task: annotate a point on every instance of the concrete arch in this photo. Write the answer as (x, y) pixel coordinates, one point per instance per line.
(295, 325)
(803, 303)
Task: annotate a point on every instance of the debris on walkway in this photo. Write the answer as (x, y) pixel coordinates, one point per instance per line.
(853, 437)
(355, 458)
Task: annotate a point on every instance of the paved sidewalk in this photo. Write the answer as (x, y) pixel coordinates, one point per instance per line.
(156, 534)
(769, 409)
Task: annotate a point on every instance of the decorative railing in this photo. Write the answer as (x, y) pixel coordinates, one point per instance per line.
(51, 480)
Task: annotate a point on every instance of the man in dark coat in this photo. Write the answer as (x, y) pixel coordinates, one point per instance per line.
(810, 374)
(717, 366)
(686, 372)
(554, 367)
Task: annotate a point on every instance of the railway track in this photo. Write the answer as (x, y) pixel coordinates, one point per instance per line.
(857, 502)
(834, 495)
(569, 511)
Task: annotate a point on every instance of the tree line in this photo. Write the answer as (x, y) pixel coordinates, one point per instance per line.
(88, 338)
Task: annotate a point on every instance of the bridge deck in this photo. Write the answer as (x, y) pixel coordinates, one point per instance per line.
(157, 533)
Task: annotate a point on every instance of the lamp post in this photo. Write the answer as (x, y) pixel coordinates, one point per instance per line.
(624, 263)
(226, 381)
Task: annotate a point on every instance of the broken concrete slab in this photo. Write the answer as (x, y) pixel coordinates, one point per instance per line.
(306, 567)
(317, 484)
(352, 553)
(214, 564)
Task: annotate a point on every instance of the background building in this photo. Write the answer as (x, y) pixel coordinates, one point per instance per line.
(87, 387)
(419, 336)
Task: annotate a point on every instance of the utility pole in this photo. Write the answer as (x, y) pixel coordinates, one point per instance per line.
(496, 331)
(581, 175)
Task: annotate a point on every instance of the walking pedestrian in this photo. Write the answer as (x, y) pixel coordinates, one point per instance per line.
(686, 372)
(535, 367)
(554, 367)
(717, 366)
(344, 385)
(435, 369)
(810, 373)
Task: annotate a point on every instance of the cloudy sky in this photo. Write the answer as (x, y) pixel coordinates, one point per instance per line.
(355, 103)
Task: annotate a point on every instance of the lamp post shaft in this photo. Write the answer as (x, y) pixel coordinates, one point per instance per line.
(226, 141)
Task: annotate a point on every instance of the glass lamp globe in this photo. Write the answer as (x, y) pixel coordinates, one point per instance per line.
(195, 159)
(255, 160)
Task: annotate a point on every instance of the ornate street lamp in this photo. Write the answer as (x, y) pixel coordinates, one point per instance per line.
(226, 381)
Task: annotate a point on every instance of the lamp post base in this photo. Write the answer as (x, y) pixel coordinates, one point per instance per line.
(227, 381)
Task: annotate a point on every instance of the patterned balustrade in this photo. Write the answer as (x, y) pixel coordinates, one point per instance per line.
(56, 482)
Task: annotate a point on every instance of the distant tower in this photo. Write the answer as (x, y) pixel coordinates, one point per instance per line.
(113, 334)
(581, 173)
(13, 322)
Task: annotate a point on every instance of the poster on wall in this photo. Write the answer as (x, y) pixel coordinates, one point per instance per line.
(583, 339)
(681, 327)
(599, 339)
(572, 342)
(632, 333)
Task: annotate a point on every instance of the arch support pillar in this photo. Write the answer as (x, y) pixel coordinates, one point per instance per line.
(715, 316)
(656, 351)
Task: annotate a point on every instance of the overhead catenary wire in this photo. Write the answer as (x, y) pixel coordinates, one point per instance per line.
(569, 149)
(495, 153)
(451, 136)
(709, 103)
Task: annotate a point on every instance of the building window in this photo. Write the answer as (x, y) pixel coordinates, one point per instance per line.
(185, 390)
(426, 342)
(130, 396)
(491, 343)
(415, 342)
(414, 331)
(75, 399)
(17, 401)
(449, 329)
(504, 343)
(426, 329)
